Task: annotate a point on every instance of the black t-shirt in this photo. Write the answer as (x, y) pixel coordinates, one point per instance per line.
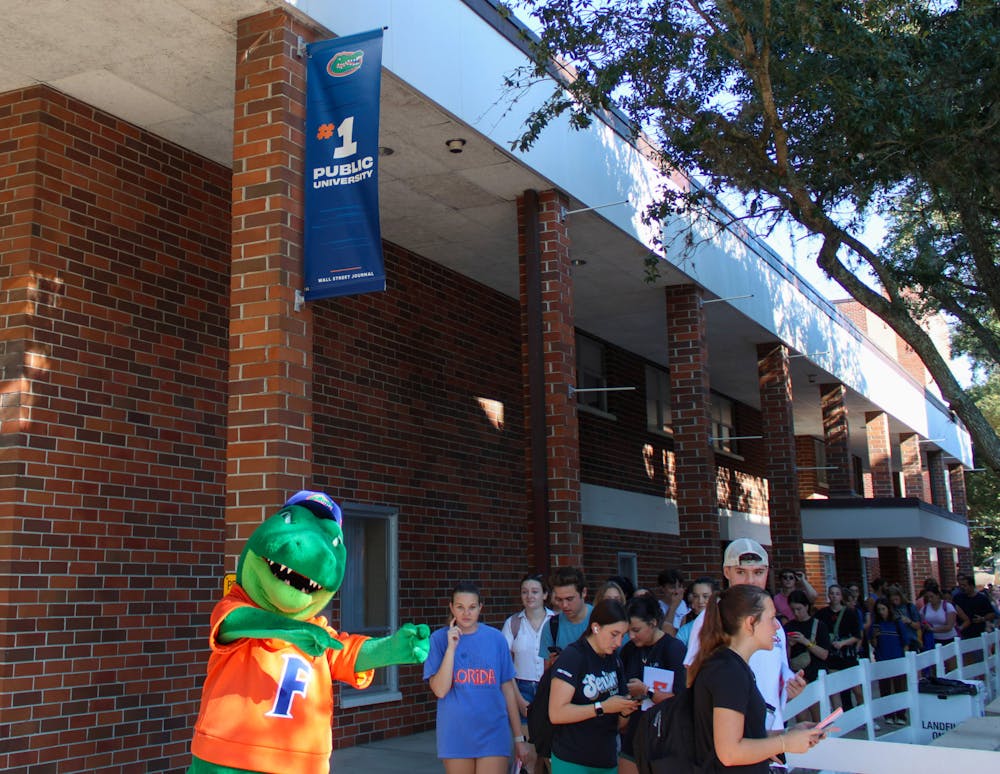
(805, 628)
(972, 606)
(594, 678)
(667, 653)
(726, 681)
(848, 627)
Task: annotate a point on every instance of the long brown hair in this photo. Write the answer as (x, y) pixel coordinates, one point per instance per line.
(724, 619)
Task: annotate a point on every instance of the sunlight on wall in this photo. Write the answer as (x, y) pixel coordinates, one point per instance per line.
(493, 411)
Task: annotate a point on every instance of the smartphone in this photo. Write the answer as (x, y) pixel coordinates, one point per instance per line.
(554, 651)
(830, 718)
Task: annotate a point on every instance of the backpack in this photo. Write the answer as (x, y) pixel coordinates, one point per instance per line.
(539, 727)
(664, 739)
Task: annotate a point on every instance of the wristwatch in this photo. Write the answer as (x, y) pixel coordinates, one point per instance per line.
(598, 708)
(521, 738)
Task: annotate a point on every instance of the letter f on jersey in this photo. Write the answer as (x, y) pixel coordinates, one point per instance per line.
(295, 679)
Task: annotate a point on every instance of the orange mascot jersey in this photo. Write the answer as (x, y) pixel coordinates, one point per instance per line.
(266, 705)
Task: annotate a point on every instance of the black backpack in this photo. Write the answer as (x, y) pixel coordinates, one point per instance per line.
(664, 739)
(539, 727)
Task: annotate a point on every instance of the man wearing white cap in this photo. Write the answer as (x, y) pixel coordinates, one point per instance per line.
(746, 562)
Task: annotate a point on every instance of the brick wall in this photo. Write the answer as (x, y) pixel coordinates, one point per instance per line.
(621, 453)
(114, 296)
(805, 463)
(399, 379)
(816, 573)
(655, 554)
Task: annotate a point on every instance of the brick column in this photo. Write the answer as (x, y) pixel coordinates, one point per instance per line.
(847, 554)
(960, 505)
(778, 429)
(837, 437)
(269, 438)
(549, 365)
(913, 467)
(879, 453)
(697, 497)
(948, 568)
(895, 567)
(937, 475)
(921, 568)
(806, 462)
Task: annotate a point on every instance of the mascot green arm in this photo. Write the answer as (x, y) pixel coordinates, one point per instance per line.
(264, 625)
(409, 645)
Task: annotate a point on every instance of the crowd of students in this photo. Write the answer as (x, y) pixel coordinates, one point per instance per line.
(743, 656)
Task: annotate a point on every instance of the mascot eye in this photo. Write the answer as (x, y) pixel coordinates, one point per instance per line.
(336, 541)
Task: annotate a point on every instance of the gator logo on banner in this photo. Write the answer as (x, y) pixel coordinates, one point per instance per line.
(342, 239)
(344, 63)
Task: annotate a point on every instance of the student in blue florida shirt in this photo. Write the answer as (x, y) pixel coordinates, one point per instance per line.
(471, 672)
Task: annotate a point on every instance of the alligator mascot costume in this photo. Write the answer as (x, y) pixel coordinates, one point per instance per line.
(267, 702)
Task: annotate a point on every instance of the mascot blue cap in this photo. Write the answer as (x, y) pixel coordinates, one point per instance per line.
(319, 503)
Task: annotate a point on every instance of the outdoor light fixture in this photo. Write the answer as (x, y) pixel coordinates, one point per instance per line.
(578, 262)
(455, 145)
(385, 150)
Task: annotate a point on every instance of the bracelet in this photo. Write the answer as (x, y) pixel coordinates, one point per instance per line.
(521, 738)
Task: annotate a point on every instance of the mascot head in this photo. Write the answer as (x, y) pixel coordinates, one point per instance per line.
(294, 562)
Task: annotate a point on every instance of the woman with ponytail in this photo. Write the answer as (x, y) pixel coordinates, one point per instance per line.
(730, 716)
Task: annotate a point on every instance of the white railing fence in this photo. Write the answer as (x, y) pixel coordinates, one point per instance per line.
(868, 723)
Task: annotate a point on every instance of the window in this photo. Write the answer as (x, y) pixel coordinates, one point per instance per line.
(590, 373)
(829, 568)
(657, 400)
(858, 479)
(369, 595)
(723, 428)
(628, 567)
(819, 451)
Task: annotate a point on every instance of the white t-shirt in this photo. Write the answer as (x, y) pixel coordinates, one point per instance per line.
(528, 665)
(939, 617)
(769, 667)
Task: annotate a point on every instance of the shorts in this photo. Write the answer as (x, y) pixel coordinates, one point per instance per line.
(564, 767)
(527, 688)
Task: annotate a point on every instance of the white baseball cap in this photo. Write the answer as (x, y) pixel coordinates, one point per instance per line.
(744, 552)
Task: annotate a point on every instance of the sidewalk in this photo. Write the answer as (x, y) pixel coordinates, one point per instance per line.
(416, 754)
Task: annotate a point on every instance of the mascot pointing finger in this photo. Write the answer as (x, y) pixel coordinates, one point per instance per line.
(267, 702)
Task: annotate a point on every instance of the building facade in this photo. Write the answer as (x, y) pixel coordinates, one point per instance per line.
(518, 398)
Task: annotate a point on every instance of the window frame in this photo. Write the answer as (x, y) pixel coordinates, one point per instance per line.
(586, 378)
(819, 454)
(628, 566)
(658, 409)
(718, 401)
(351, 697)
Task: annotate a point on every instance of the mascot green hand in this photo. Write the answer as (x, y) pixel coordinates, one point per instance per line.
(267, 702)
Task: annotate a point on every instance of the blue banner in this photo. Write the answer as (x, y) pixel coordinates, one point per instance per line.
(343, 240)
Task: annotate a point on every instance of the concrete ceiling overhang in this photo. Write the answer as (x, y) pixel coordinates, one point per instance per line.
(169, 67)
(902, 521)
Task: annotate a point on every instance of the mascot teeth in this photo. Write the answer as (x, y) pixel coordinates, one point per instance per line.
(291, 578)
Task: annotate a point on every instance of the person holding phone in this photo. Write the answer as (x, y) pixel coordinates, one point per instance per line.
(585, 699)
(730, 727)
(471, 672)
(648, 646)
(569, 597)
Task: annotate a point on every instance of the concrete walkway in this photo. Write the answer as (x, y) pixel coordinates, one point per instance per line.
(416, 754)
